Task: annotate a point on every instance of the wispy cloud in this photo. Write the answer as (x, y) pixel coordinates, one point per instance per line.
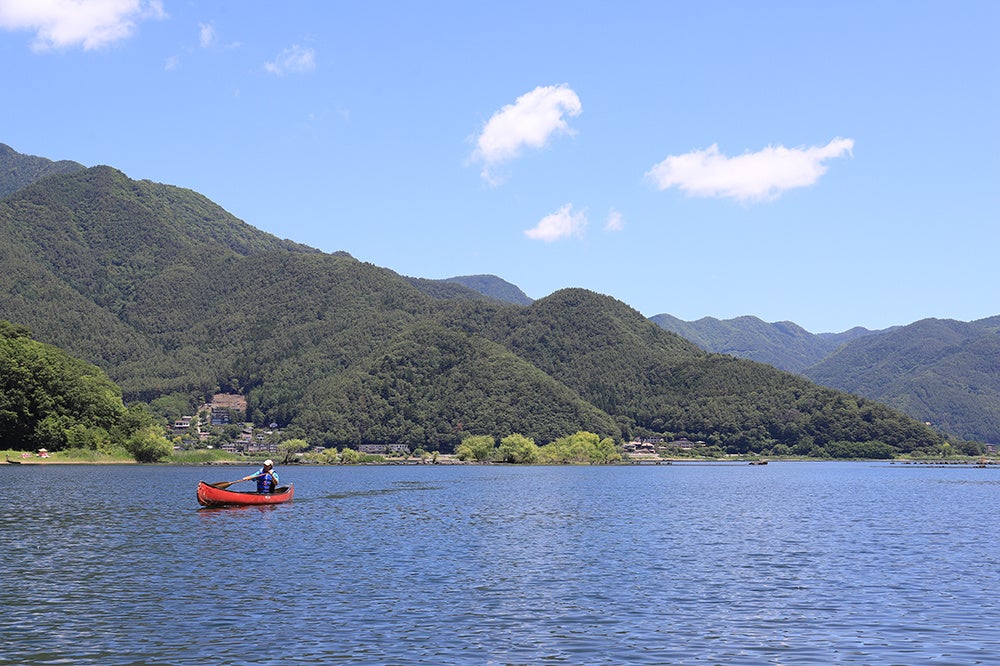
(208, 40)
(206, 35)
(293, 60)
(69, 23)
(615, 221)
(527, 123)
(760, 176)
(563, 223)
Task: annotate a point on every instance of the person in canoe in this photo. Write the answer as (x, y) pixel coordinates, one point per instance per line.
(267, 478)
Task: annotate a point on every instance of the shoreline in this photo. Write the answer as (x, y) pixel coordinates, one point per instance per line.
(450, 460)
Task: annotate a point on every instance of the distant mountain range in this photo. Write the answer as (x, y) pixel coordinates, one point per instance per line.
(175, 299)
(466, 286)
(494, 287)
(782, 344)
(943, 372)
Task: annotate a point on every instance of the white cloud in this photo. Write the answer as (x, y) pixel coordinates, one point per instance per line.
(527, 123)
(295, 59)
(206, 35)
(561, 224)
(759, 176)
(615, 221)
(91, 24)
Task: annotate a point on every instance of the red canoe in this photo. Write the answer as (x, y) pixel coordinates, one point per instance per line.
(209, 495)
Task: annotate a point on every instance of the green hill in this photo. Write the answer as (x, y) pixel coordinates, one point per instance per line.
(938, 371)
(783, 344)
(168, 293)
(942, 371)
(18, 171)
(472, 286)
(49, 399)
(494, 287)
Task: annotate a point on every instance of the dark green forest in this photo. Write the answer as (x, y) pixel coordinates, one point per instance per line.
(940, 371)
(17, 170)
(172, 296)
(943, 371)
(782, 344)
(51, 400)
(494, 287)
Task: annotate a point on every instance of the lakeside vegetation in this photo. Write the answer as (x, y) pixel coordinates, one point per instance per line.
(50, 400)
(581, 448)
(333, 457)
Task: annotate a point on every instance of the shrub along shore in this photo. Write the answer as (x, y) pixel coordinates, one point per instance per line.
(222, 458)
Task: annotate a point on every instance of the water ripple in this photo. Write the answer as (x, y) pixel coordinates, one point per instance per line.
(789, 564)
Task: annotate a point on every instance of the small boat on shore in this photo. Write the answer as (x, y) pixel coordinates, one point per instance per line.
(210, 495)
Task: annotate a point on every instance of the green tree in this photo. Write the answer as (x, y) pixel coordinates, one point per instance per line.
(580, 448)
(860, 450)
(604, 452)
(290, 447)
(137, 417)
(476, 447)
(50, 399)
(93, 438)
(349, 456)
(517, 449)
(148, 445)
(173, 406)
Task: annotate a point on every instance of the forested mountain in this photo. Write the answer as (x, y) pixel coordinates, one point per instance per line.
(783, 344)
(852, 334)
(443, 289)
(494, 287)
(50, 399)
(472, 286)
(83, 256)
(17, 170)
(938, 370)
(168, 293)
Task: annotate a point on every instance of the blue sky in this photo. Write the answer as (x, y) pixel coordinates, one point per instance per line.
(832, 164)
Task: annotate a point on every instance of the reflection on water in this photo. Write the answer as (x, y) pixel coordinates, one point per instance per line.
(792, 563)
(397, 487)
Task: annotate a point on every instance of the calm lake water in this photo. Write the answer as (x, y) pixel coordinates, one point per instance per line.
(792, 563)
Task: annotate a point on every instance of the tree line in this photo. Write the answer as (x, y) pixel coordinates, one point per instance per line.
(51, 400)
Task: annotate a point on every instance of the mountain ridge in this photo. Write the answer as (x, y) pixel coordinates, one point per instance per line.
(18, 170)
(939, 371)
(170, 294)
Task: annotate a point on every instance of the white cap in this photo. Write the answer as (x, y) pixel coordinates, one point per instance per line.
(268, 463)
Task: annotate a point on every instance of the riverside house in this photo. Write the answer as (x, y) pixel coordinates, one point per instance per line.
(380, 449)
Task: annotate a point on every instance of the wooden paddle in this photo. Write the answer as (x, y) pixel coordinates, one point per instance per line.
(222, 485)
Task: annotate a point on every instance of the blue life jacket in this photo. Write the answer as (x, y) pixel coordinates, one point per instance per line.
(266, 483)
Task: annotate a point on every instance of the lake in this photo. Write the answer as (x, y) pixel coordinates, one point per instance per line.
(789, 563)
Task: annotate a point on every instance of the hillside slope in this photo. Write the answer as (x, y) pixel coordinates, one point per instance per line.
(942, 371)
(18, 171)
(782, 344)
(494, 287)
(938, 371)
